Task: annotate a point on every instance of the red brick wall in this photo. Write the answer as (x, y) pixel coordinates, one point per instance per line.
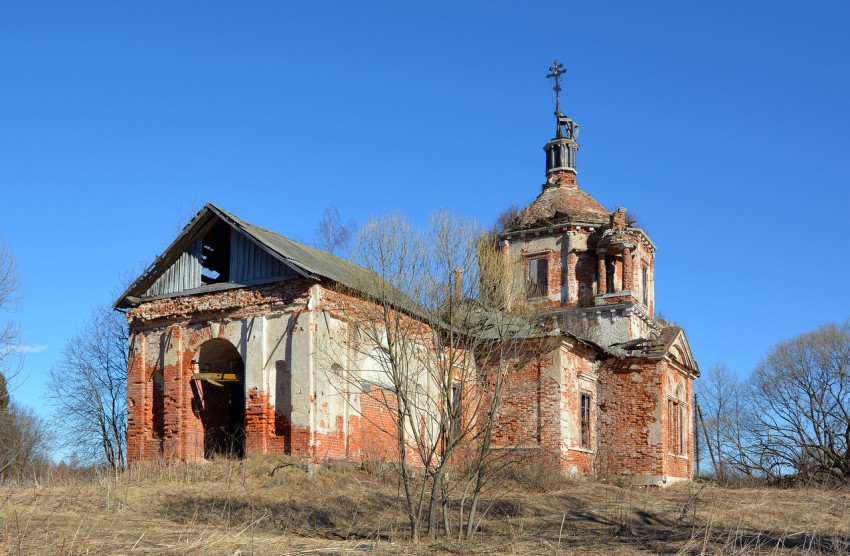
(577, 373)
(540, 407)
(635, 425)
(286, 296)
(678, 463)
(165, 335)
(165, 338)
(631, 430)
(585, 274)
(525, 406)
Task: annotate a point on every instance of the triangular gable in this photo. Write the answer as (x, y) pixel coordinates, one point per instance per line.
(301, 259)
(209, 251)
(679, 350)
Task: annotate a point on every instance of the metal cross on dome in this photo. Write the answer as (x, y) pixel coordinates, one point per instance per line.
(566, 128)
(557, 70)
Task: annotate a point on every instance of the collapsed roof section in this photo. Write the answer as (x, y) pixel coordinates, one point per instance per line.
(670, 344)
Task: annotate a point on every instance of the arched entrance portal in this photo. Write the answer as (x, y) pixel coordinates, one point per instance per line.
(221, 396)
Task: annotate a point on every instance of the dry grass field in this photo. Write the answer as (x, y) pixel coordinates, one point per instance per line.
(233, 507)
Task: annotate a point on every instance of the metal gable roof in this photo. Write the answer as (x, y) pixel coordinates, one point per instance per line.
(306, 260)
(313, 262)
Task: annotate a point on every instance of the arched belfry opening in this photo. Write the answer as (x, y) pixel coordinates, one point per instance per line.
(220, 398)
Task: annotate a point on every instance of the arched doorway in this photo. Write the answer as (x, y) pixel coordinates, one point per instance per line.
(221, 398)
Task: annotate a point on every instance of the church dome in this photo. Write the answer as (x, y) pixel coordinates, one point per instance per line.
(562, 201)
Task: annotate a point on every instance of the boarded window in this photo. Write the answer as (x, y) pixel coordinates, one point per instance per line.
(585, 420)
(538, 277)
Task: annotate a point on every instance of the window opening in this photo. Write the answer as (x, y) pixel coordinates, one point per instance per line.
(645, 285)
(595, 276)
(675, 426)
(538, 277)
(609, 276)
(585, 421)
(457, 411)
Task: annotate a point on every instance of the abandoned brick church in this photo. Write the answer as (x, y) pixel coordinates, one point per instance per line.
(224, 327)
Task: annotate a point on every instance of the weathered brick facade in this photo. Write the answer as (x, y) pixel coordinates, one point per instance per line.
(600, 286)
(244, 341)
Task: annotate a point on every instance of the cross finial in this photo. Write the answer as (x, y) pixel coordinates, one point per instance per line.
(557, 70)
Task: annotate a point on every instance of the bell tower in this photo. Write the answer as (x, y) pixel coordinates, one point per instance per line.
(574, 259)
(561, 150)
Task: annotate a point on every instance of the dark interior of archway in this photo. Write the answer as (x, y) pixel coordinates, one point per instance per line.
(222, 408)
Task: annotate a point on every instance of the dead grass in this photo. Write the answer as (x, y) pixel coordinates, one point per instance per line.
(239, 507)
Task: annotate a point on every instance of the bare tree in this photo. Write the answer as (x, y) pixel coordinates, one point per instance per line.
(23, 440)
(332, 235)
(798, 419)
(22, 433)
(88, 389)
(387, 336)
(723, 417)
(10, 332)
(439, 346)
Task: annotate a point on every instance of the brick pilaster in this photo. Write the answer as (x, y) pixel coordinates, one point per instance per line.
(602, 280)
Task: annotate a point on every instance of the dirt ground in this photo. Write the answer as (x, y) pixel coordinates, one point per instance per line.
(240, 507)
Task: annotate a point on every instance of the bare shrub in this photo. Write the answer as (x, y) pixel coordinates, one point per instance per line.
(509, 219)
(536, 470)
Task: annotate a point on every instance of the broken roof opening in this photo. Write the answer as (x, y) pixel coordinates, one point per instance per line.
(215, 254)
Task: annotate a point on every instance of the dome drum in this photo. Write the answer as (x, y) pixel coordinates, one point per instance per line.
(561, 155)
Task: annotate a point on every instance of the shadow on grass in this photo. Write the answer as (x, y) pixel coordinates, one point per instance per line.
(338, 517)
(649, 531)
(570, 523)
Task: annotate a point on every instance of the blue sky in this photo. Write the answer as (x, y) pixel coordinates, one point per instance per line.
(722, 125)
